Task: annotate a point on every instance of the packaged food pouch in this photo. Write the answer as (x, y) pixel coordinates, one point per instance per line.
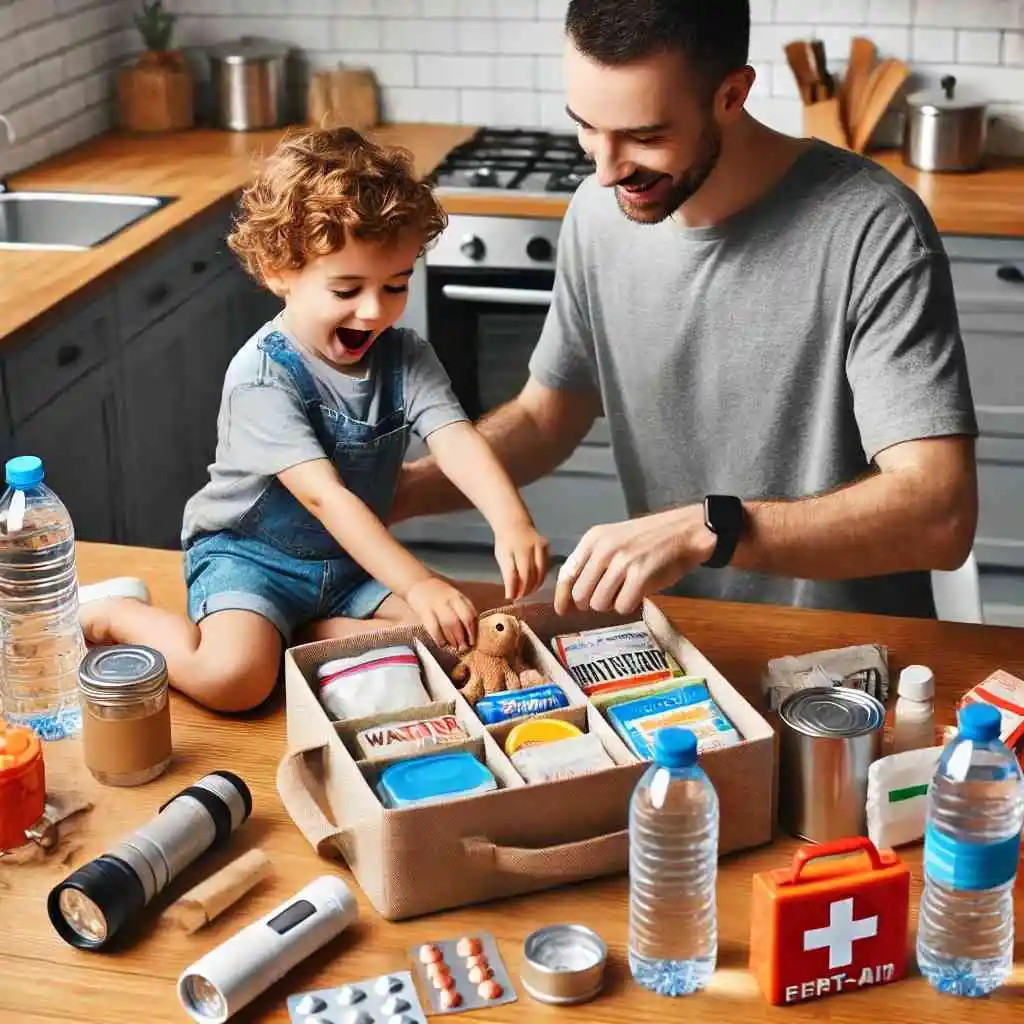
(372, 683)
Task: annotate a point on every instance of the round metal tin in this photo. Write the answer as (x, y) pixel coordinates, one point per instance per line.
(563, 963)
(122, 673)
(832, 711)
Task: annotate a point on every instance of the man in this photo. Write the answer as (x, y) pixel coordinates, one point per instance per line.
(767, 321)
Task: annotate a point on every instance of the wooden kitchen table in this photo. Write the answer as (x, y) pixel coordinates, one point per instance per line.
(43, 979)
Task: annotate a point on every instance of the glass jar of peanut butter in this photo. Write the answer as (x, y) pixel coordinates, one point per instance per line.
(126, 718)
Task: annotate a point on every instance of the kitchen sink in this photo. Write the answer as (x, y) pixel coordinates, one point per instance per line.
(69, 221)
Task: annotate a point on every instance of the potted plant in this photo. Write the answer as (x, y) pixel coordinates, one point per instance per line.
(155, 93)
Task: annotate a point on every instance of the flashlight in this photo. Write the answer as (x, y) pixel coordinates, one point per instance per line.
(237, 971)
(93, 903)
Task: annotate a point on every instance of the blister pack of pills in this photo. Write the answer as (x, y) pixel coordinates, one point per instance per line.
(389, 999)
(463, 974)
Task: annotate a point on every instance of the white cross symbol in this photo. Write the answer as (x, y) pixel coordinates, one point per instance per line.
(840, 935)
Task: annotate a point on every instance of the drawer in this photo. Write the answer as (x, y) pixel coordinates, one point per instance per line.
(992, 322)
(168, 275)
(53, 358)
(1000, 535)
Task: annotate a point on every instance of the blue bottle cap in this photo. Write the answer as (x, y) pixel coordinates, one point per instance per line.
(980, 722)
(675, 747)
(24, 471)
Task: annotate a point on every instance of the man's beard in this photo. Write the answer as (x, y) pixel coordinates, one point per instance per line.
(708, 152)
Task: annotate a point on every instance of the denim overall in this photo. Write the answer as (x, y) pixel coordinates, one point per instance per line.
(278, 560)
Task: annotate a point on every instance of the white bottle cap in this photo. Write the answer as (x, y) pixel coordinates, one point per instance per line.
(916, 683)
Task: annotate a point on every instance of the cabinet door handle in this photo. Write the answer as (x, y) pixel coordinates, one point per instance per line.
(157, 295)
(1010, 274)
(68, 354)
(199, 266)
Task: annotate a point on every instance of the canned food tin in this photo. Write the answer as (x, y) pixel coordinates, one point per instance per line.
(563, 963)
(828, 739)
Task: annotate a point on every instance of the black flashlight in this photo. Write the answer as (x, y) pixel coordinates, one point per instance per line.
(95, 902)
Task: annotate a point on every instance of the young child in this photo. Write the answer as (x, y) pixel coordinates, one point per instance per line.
(289, 534)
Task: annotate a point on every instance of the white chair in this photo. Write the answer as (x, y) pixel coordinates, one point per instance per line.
(957, 594)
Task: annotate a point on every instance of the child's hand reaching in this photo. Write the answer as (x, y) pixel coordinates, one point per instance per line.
(522, 555)
(446, 613)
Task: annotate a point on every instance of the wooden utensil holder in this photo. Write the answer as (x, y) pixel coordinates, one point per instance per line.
(823, 120)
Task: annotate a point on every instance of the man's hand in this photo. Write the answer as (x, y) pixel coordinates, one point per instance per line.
(615, 566)
(522, 556)
(446, 613)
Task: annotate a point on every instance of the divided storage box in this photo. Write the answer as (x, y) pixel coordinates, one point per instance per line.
(519, 838)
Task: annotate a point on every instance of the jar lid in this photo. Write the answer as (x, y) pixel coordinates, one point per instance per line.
(122, 673)
(836, 712)
(248, 50)
(563, 963)
(947, 97)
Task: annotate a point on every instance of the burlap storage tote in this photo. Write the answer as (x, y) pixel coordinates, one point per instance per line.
(519, 838)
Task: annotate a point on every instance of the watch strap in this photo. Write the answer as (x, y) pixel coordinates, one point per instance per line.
(724, 517)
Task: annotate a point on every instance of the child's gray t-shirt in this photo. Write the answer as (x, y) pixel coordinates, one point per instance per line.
(262, 427)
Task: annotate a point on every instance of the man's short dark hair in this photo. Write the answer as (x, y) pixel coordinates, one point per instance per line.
(713, 34)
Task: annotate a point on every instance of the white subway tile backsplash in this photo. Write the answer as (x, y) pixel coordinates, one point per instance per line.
(555, 9)
(420, 35)
(780, 82)
(933, 44)
(433, 69)
(889, 12)
(539, 37)
(391, 69)
(518, 9)
(356, 34)
(438, 9)
(978, 47)
(969, 13)
(767, 42)
(434, 106)
(400, 8)
(892, 41)
(550, 73)
(761, 11)
(520, 72)
(477, 36)
(501, 109)
(821, 11)
(1013, 48)
(477, 8)
(552, 113)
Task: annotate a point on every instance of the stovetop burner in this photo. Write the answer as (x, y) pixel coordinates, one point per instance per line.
(512, 159)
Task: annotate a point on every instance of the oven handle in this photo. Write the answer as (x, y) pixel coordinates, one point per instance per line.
(508, 296)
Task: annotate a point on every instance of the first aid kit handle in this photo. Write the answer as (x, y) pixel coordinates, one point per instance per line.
(855, 844)
(298, 801)
(585, 858)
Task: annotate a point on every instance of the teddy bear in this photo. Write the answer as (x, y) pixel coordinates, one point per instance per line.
(496, 662)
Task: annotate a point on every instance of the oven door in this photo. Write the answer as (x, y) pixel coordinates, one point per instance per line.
(484, 325)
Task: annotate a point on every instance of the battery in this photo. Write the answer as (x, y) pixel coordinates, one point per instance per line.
(829, 737)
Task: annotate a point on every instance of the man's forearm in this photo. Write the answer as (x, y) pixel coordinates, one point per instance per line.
(521, 444)
(885, 523)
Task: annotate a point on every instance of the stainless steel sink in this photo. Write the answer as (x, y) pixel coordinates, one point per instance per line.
(69, 221)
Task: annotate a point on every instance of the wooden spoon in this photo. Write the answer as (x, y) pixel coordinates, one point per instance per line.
(886, 81)
(854, 88)
(803, 71)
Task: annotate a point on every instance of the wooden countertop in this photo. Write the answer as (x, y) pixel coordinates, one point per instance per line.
(202, 167)
(44, 979)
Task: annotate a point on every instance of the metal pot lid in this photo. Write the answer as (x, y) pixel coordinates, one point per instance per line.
(948, 97)
(248, 50)
(832, 711)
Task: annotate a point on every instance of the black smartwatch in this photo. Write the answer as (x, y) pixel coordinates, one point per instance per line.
(724, 517)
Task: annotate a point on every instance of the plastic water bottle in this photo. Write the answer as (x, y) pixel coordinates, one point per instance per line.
(673, 867)
(972, 845)
(41, 642)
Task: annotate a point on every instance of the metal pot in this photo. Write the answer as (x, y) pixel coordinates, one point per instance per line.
(944, 131)
(250, 84)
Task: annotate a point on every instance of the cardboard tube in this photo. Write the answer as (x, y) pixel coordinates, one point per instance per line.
(199, 906)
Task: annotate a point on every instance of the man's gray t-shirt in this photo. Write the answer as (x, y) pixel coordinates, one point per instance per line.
(771, 356)
(262, 427)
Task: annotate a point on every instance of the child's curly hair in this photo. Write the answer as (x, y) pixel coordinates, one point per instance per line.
(321, 185)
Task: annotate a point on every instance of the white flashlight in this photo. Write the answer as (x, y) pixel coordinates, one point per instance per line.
(237, 971)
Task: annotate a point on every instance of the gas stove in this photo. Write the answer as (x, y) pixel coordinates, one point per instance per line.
(502, 160)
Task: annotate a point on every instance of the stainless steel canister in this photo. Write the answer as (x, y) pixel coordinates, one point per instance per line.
(829, 737)
(250, 84)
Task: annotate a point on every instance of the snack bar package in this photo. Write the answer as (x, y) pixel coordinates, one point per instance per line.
(864, 667)
(407, 737)
(691, 707)
(1005, 692)
(613, 658)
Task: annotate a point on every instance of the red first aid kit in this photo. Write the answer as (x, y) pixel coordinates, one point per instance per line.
(822, 927)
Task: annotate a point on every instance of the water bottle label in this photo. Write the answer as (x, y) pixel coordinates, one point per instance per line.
(969, 866)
